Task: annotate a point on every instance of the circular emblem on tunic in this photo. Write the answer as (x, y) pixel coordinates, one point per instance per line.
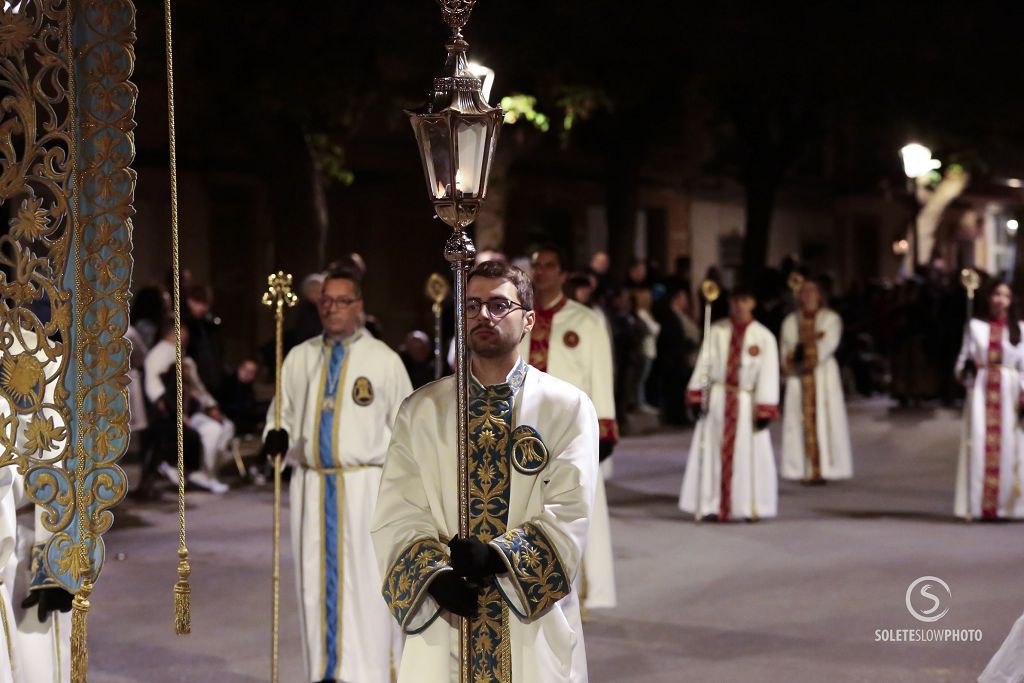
(362, 392)
(754, 350)
(529, 454)
(571, 339)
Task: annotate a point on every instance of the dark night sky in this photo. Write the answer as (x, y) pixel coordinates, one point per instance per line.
(949, 72)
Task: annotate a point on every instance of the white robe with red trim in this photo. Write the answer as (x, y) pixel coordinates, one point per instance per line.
(750, 490)
(579, 352)
(991, 416)
(831, 431)
(417, 512)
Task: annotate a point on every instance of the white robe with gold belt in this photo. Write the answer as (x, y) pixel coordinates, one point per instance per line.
(547, 516)
(831, 433)
(347, 632)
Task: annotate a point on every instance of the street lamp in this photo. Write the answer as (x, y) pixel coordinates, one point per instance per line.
(456, 131)
(917, 163)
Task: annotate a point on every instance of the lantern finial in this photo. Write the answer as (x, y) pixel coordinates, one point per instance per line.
(456, 13)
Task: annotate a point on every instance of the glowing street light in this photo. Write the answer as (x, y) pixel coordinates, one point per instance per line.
(918, 161)
(917, 164)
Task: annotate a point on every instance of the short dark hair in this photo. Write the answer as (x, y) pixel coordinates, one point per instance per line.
(346, 274)
(552, 248)
(500, 270)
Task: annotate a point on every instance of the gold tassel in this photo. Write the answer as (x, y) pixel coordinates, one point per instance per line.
(182, 595)
(79, 634)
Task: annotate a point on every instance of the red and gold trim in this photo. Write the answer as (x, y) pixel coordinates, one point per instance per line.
(765, 411)
(809, 396)
(695, 396)
(731, 417)
(540, 335)
(609, 430)
(993, 421)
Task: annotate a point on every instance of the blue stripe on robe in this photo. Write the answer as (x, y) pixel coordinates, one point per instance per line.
(331, 570)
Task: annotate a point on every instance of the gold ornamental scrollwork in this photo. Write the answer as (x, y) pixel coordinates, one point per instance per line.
(35, 183)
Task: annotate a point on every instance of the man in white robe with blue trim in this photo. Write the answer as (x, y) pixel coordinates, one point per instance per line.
(533, 442)
(339, 396)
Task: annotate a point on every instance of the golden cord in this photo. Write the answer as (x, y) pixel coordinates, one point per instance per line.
(80, 604)
(182, 589)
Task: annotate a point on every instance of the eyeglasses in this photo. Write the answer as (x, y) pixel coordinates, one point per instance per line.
(341, 302)
(497, 308)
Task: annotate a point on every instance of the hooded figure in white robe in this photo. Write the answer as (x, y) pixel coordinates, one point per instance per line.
(815, 433)
(339, 396)
(731, 452)
(532, 465)
(990, 363)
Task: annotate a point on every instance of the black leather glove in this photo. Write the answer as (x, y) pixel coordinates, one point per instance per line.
(970, 369)
(276, 443)
(49, 600)
(799, 354)
(761, 423)
(454, 594)
(474, 559)
(604, 450)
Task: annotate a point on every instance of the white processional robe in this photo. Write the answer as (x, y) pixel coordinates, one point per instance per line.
(571, 342)
(733, 461)
(41, 650)
(8, 570)
(815, 432)
(991, 425)
(1007, 664)
(533, 468)
(338, 405)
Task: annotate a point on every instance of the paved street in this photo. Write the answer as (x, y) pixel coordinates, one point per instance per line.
(793, 599)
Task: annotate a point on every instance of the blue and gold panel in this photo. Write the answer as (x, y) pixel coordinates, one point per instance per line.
(409, 576)
(537, 571)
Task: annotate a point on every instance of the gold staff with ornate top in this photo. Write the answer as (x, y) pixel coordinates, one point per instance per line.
(456, 133)
(437, 290)
(971, 281)
(278, 295)
(709, 288)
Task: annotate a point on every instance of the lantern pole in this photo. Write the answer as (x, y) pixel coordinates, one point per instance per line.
(456, 132)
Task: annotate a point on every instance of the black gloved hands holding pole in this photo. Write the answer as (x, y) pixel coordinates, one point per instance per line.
(49, 600)
(969, 371)
(799, 354)
(276, 443)
(473, 559)
(454, 594)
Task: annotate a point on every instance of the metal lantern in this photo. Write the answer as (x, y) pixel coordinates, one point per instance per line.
(456, 132)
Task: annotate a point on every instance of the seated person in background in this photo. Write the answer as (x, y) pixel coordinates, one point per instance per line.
(417, 353)
(202, 413)
(238, 399)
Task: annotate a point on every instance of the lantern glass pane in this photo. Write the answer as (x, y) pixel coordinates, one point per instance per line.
(472, 140)
(434, 138)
